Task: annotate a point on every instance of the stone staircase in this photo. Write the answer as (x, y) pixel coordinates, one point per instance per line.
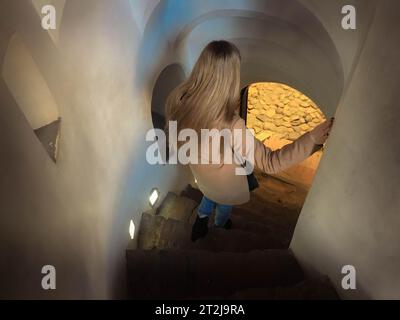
(251, 261)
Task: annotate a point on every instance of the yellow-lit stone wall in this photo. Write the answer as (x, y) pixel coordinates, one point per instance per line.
(279, 115)
(280, 112)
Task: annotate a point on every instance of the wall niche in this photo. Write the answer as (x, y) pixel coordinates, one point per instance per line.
(32, 94)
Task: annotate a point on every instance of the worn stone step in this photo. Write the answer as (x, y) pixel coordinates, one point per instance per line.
(310, 289)
(267, 213)
(156, 232)
(262, 215)
(192, 193)
(266, 224)
(176, 207)
(275, 234)
(244, 221)
(179, 274)
(252, 222)
(235, 240)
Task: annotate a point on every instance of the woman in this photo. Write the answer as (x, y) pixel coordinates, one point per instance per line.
(210, 99)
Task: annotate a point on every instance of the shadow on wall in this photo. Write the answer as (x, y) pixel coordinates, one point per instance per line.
(172, 76)
(316, 239)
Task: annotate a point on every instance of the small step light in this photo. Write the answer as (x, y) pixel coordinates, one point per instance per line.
(153, 197)
(132, 229)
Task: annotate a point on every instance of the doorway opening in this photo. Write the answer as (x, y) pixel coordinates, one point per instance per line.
(279, 115)
(172, 76)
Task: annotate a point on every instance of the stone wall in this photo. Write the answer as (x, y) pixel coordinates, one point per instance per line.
(279, 115)
(279, 111)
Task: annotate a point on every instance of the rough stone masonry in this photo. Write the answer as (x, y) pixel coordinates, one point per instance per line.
(281, 112)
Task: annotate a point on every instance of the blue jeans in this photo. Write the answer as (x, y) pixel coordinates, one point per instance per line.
(223, 212)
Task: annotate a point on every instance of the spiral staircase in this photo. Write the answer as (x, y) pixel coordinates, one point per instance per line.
(250, 261)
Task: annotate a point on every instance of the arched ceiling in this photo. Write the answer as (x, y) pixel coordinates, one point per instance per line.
(280, 40)
(271, 44)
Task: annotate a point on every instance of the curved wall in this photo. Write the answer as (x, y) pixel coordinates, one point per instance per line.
(351, 216)
(75, 215)
(274, 50)
(169, 79)
(101, 73)
(293, 42)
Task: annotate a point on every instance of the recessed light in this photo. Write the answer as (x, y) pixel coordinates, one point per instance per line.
(132, 229)
(153, 197)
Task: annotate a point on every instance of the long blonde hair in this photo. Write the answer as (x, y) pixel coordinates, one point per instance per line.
(209, 97)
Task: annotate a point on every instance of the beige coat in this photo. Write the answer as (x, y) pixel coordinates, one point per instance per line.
(220, 182)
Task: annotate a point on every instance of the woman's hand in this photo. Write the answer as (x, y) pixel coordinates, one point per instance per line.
(321, 133)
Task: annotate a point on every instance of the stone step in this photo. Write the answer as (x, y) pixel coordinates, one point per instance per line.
(241, 222)
(192, 193)
(267, 213)
(278, 236)
(156, 232)
(258, 211)
(219, 240)
(255, 220)
(310, 289)
(179, 274)
(244, 219)
(176, 207)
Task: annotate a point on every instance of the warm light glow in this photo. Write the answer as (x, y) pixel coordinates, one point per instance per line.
(153, 197)
(195, 181)
(279, 115)
(278, 112)
(132, 229)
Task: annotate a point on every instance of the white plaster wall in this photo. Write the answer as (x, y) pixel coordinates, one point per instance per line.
(141, 11)
(351, 216)
(27, 85)
(348, 43)
(75, 215)
(59, 6)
